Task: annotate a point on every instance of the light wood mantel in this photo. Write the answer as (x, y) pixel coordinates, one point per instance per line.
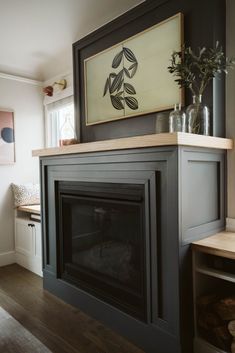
(154, 140)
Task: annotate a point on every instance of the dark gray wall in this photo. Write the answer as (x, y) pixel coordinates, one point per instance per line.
(204, 25)
(230, 106)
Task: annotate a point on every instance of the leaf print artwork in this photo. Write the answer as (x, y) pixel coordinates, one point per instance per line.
(106, 87)
(129, 88)
(115, 83)
(117, 102)
(127, 73)
(129, 78)
(129, 55)
(117, 60)
(133, 67)
(131, 102)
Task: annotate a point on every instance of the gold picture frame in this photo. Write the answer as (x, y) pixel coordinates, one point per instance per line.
(131, 78)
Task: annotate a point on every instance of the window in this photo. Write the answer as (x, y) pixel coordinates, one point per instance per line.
(60, 124)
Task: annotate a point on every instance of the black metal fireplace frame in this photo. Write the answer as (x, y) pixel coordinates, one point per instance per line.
(134, 304)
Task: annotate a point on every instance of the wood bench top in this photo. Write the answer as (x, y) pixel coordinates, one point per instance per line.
(220, 244)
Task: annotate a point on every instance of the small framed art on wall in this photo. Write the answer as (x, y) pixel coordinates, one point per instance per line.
(7, 137)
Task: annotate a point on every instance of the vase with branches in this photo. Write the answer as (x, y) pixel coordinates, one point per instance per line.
(195, 70)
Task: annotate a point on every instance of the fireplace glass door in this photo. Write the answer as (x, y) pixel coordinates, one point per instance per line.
(102, 245)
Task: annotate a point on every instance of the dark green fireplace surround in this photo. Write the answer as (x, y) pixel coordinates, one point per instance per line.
(184, 201)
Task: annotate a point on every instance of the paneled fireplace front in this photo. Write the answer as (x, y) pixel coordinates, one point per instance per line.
(117, 228)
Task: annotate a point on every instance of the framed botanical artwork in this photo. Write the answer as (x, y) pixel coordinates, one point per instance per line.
(131, 77)
(7, 137)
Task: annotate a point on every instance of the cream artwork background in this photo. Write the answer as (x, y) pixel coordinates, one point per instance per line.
(153, 86)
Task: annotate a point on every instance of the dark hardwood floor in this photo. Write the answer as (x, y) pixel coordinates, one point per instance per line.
(59, 326)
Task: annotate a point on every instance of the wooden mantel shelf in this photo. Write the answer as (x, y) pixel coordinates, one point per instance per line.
(154, 140)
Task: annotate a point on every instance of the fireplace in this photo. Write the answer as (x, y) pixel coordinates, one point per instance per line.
(117, 228)
(101, 242)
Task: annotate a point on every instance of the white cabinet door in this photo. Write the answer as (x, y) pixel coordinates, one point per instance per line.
(28, 245)
(23, 237)
(37, 240)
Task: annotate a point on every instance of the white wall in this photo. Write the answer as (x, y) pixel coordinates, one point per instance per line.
(79, 18)
(230, 106)
(26, 101)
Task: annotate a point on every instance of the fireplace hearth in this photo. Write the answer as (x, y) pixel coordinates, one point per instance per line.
(101, 242)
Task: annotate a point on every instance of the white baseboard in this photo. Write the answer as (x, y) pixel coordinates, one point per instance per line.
(7, 258)
(230, 224)
(12, 257)
(33, 265)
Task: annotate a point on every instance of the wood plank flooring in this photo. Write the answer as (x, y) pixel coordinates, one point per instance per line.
(15, 338)
(59, 326)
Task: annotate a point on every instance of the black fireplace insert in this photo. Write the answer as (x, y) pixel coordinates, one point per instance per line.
(101, 245)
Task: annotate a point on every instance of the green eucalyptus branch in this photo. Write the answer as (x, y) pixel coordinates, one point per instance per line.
(195, 70)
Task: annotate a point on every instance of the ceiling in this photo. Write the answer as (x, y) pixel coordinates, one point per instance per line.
(36, 36)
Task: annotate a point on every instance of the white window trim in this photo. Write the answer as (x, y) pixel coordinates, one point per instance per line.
(67, 93)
